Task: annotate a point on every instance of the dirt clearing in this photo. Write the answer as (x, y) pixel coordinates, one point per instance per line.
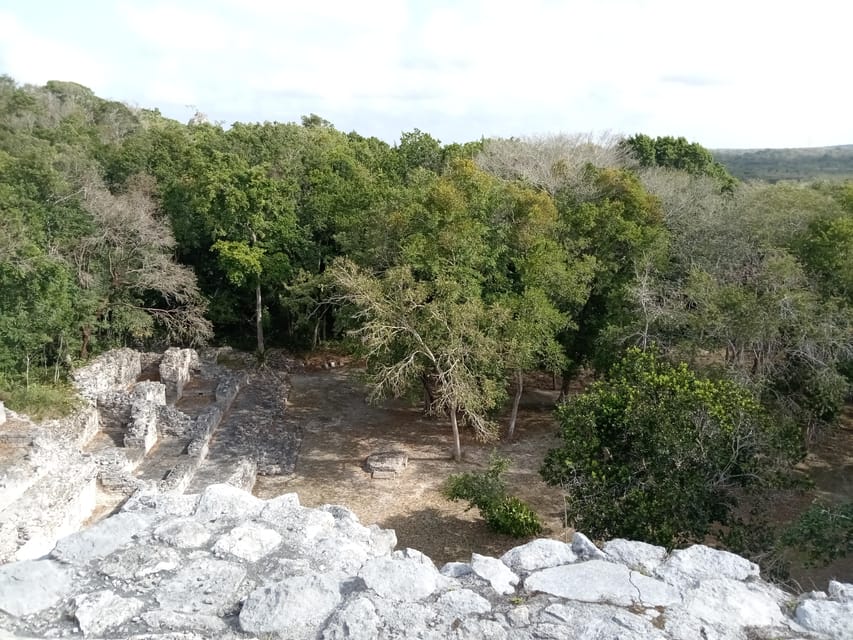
(340, 430)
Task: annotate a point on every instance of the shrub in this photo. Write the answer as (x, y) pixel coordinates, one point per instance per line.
(487, 491)
(654, 452)
(823, 533)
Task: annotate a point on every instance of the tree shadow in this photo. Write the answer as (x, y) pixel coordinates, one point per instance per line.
(448, 538)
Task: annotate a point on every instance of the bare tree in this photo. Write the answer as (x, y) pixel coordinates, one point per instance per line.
(553, 162)
(127, 263)
(408, 332)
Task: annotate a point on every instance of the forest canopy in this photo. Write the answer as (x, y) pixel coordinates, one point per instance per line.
(452, 269)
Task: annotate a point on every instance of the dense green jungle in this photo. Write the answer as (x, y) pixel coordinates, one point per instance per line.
(714, 315)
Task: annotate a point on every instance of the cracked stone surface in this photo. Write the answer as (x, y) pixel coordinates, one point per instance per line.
(250, 568)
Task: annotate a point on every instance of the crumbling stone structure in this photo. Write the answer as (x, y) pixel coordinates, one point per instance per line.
(225, 564)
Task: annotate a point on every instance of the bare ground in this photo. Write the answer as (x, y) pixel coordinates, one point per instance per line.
(340, 430)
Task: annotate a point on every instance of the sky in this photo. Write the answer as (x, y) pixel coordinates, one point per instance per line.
(726, 74)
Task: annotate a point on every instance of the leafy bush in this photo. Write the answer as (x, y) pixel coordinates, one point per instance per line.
(654, 452)
(823, 533)
(487, 491)
(513, 517)
(40, 401)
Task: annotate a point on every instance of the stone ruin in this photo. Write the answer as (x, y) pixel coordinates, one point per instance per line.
(218, 562)
(55, 475)
(225, 564)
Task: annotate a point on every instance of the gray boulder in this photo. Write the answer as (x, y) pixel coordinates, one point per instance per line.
(293, 608)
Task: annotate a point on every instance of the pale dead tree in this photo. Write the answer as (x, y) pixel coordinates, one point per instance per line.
(127, 263)
(407, 332)
(553, 162)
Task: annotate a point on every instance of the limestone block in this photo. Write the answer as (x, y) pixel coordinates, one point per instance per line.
(640, 556)
(249, 541)
(32, 585)
(400, 578)
(462, 602)
(688, 566)
(584, 549)
(386, 464)
(495, 572)
(601, 581)
(203, 585)
(140, 561)
(184, 533)
(102, 610)
(835, 619)
(175, 370)
(101, 539)
(292, 608)
(220, 500)
(729, 603)
(538, 554)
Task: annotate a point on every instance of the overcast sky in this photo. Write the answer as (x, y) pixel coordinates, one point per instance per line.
(725, 73)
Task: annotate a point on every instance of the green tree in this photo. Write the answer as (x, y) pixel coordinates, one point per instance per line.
(656, 453)
(410, 329)
(678, 153)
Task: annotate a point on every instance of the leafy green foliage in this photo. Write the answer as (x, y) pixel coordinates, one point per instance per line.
(487, 491)
(678, 153)
(654, 452)
(823, 533)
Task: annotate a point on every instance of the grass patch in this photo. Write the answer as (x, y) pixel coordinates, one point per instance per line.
(40, 401)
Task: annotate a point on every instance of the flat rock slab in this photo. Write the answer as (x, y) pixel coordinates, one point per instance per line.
(602, 582)
(386, 464)
(32, 585)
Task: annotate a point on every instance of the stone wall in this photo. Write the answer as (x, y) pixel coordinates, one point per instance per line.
(116, 368)
(225, 564)
(176, 368)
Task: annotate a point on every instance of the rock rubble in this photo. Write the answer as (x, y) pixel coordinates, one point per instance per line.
(225, 564)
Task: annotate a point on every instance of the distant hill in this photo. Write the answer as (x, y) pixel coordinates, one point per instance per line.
(788, 164)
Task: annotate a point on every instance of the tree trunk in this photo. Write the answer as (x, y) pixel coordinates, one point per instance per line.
(519, 387)
(457, 447)
(86, 335)
(259, 317)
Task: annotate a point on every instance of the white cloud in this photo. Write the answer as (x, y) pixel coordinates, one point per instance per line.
(729, 73)
(29, 57)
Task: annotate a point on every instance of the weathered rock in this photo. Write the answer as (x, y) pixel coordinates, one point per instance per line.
(639, 556)
(686, 567)
(462, 602)
(161, 505)
(292, 607)
(209, 625)
(291, 572)
(139, 561)
(175, 370)
(604, 582)
(456, 569)
(729, 603)
(495, 572)
(387, 464)
(840, 591)
(538, 554)
(100, 540)
(594, 621)
(249, 541)
(398, 577)
(584, 549)
(203, 585)
(184, 533)
(223, 500)
(32, 585)
(356, 620)
(96, 612)
(834, 619)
